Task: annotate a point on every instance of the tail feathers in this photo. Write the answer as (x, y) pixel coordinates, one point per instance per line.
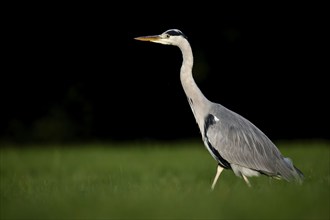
(291, 173)
(301, 175)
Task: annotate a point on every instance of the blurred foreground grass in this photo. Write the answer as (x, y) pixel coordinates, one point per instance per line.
(154, 181)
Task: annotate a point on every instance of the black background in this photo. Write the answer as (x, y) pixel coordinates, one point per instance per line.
(75, 72)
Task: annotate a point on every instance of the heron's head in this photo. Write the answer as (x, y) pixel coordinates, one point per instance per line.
(169, 37)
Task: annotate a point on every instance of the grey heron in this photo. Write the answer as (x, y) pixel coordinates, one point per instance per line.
(232, 140)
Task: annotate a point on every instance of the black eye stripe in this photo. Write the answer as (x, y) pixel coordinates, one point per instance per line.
(175, 33)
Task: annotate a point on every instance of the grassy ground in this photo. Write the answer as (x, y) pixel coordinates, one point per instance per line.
(154, 181)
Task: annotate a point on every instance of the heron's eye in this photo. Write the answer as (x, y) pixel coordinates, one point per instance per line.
(167, 36)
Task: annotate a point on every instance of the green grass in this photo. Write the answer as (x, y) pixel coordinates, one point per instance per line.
(154, 181)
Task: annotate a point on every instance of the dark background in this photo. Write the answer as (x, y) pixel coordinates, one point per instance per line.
(75, 73)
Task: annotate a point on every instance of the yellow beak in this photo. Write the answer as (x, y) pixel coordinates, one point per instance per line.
(152, 38)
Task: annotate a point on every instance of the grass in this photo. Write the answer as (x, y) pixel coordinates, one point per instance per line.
(154, 181)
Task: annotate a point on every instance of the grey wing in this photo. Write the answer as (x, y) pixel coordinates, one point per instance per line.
(242, 144)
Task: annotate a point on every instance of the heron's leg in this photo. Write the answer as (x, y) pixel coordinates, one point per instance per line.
(219, 170)
(246, 180)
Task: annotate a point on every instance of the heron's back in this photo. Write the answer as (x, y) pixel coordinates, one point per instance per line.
(243, 145)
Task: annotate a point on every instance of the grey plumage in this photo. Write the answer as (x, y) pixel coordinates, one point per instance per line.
(245, 147)
(233, 141)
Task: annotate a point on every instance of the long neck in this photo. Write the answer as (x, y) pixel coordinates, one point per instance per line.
(198, 102)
